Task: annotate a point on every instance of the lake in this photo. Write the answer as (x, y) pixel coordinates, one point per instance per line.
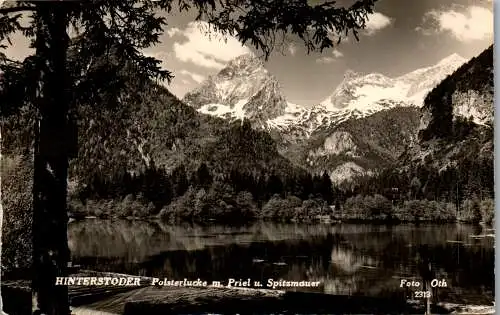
(345, 258)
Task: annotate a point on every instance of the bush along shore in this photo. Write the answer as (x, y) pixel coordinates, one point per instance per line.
(202, 206)
(203, 194)
(206, 193)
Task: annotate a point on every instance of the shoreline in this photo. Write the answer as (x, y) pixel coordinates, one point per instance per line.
(333, 221)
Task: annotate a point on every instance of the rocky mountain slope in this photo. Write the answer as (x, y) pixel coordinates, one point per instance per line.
(454, 125)
(455, 147)
(358, 147)
(467, 93)
(462, 102)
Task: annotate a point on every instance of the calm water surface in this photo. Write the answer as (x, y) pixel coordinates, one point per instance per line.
(345, 258)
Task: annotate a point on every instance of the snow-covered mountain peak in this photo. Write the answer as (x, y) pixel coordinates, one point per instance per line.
(452, 59)
(242, 89)
(366, 94)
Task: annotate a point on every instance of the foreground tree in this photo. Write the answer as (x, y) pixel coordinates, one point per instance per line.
(126, 26)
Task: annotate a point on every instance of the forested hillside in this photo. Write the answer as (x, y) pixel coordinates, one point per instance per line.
(143, 150)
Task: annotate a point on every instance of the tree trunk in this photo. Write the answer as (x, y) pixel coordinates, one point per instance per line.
(50, 219)
(1, 220)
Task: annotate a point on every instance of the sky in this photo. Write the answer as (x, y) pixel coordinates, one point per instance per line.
(401, 36)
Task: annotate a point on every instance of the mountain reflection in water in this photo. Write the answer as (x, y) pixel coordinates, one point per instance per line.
(346, 258)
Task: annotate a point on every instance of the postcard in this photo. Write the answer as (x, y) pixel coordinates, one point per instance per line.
(256, 157)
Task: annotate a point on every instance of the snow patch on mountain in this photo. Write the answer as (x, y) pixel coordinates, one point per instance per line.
(293, 114)
(224, 111)
(302, 122)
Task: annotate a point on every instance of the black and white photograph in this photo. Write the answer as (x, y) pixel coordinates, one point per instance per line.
(247, 157)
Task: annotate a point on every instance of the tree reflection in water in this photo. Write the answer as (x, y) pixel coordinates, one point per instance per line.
(346, 258)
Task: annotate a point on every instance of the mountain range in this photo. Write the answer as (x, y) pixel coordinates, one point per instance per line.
(246, 89)
(363, 125)
(367, 123)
